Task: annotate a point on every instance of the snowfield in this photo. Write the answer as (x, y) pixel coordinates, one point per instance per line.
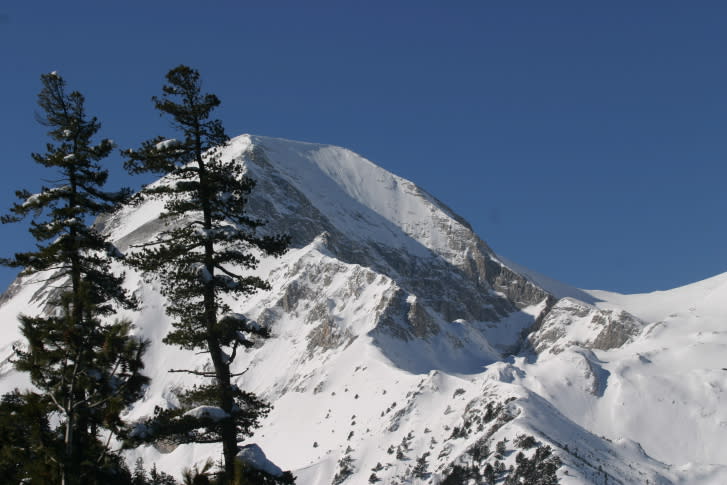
(402, 345)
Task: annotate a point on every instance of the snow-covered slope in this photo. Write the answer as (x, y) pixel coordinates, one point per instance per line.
(405, 350)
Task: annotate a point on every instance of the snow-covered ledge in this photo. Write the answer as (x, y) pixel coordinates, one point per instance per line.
(252, 455)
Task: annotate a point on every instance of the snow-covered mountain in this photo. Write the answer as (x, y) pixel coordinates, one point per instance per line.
(405, 350)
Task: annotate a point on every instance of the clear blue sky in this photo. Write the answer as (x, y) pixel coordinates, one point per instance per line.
(585, 140)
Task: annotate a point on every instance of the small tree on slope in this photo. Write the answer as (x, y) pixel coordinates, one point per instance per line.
(199, 260)
(85, 368)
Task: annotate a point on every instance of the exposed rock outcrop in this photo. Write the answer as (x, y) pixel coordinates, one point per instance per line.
(571, 322)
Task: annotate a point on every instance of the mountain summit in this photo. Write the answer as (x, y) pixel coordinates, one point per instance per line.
(405, 350)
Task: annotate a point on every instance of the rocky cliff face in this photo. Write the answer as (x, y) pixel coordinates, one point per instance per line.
(431, 252)
(574, 323)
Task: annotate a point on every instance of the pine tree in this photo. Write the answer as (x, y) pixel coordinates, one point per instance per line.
(138, 477)
(26, 440)
(200, 258)
(160, 478)
(86, 368)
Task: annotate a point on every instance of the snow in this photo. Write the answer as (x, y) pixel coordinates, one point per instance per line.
(167, 144)
(33, 199)
(671, 378)
(250, 325)
(209, 412)
(704, 297)
(200, 270)
(379, 209)
(340, 375)
(223, 279)
(253, 456)
(51, 192)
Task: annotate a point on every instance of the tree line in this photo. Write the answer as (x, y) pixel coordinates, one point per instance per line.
(85, 364)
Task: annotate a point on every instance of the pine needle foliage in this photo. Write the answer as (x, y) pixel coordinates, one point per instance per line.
(27, 444)
(86, 369)
(201, 258)
(66, 245)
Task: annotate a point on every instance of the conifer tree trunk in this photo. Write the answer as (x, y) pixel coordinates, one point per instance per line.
(65, 467)
(73, 424)
(222, 369)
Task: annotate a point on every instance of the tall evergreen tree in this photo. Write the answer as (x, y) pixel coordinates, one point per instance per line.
(201, 258)
(85, 367)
